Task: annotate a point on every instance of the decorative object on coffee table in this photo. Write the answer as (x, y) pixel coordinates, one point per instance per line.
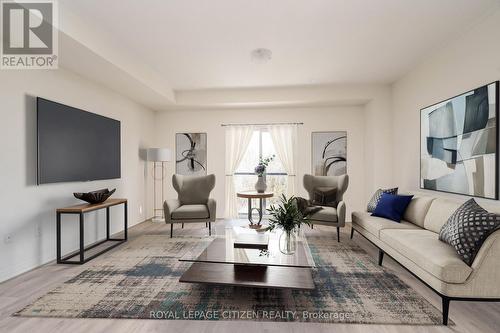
(156, 155)
(287, 216)
(260, 171)
(246, 238)
(255, 195)
(95, 197)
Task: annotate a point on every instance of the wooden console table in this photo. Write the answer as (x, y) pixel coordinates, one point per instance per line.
(81, 210)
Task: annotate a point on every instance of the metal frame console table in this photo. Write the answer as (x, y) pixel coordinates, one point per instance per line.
(80, 210)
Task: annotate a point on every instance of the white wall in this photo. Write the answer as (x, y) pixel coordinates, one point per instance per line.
(468, 61)
(379, 145)
(27, 210)
(383, 137)
(350, 119)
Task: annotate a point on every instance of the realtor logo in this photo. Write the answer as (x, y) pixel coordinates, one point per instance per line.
(29, 34)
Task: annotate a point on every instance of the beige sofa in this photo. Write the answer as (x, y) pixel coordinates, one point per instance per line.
(415, 245)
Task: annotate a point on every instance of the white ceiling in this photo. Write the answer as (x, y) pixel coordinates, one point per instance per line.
(198, 44)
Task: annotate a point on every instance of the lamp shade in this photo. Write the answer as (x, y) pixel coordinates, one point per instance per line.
(159, 154)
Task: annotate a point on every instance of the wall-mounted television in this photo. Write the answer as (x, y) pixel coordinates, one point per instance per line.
(75, 145)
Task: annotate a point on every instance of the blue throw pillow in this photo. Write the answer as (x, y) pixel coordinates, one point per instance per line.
(392, 206)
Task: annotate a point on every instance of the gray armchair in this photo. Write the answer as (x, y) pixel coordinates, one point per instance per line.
(193, 204)
(331, 216)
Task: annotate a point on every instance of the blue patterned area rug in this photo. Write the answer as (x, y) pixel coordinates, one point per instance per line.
(140, 281)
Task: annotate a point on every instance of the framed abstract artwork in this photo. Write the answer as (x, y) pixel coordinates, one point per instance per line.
(191, 154)
(459, 144)
(329, 153)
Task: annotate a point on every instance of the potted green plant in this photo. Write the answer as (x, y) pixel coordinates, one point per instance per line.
(260, 171)
(288, 217)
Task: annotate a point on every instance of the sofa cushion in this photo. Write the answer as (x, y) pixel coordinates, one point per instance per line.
(327, 214)
(372, 204)
(375, 224)
(325, 196)
(417, 209)
(191, 212)
(424, 249)
(468, 228)
(439, 213)
(392, 206)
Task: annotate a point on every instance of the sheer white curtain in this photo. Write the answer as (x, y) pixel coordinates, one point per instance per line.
(285, 142)
(237, 140)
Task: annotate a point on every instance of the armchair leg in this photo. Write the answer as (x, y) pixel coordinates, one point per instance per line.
(312, 226)
(171, 230)
(338, 234)
(206, 224)
(183, 226)
(446, 308)
(209, 229)
(352, 232)
(380, 257)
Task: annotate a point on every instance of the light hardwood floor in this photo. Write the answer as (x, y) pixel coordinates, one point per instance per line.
(22, 290)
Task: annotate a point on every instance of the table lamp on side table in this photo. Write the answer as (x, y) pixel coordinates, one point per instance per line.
(159, 155)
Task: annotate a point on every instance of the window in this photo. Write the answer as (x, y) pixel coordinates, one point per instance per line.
(261, 145)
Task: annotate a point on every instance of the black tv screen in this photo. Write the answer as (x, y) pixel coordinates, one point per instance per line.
(75, 145)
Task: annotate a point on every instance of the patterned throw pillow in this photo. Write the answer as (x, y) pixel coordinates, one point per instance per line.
(325, 196)
(376, 198)
(467, 229)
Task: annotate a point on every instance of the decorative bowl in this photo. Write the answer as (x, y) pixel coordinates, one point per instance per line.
(95, 197)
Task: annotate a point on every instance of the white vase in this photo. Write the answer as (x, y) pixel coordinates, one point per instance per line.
(261, 185)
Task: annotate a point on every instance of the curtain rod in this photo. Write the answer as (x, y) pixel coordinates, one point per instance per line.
(261, 124)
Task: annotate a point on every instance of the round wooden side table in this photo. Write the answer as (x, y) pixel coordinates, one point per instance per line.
(255, 195)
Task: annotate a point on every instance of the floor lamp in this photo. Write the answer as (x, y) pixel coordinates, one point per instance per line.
(159, 155)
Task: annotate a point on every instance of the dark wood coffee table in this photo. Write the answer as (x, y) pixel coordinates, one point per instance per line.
(223, 264)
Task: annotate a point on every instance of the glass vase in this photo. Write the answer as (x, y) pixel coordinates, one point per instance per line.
(288, 242)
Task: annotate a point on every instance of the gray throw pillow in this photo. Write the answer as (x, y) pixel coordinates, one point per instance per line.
(325, 196)
(376, 198)
(467, 229)
(305, 207)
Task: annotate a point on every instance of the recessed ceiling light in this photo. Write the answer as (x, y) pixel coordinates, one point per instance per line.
(261, 55)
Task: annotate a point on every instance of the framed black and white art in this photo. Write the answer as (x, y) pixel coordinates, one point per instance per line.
(329, 153)
(191, 154)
